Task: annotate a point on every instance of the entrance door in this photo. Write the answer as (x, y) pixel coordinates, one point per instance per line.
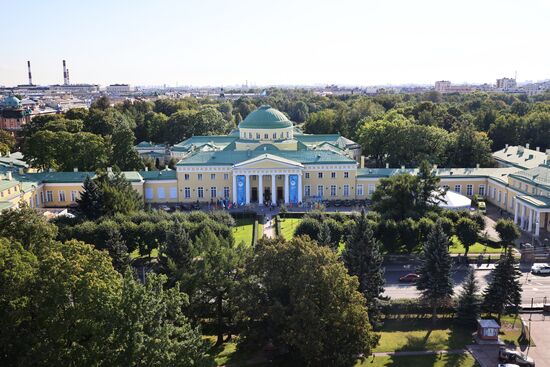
(280, 196)
(254, 196)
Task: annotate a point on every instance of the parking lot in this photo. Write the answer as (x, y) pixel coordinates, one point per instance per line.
(540, 334)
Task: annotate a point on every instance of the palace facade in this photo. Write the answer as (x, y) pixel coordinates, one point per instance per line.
(267, 160)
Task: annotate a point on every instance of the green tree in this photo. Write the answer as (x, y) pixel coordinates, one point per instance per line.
(124, 155)
(469, 301)
(298, 294)
(508, 231)
(467, 232)
(89, 202)
(27, 227)
(435, 283)
(468, 147)
(321, 122)
(395, 197)
(7, 142)
(363, 259)
(505, 288)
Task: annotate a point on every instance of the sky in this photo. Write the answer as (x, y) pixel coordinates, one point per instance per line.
(278, 42)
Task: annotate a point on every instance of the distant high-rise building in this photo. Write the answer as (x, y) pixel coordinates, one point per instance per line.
(506, 83)
(442, 86)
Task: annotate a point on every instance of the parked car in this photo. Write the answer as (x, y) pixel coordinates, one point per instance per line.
(514, 356)
(482, 207)
(540, 269)
(411, 277)
(507, 365)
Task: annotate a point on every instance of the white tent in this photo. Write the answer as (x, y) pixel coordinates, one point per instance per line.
(454, 201)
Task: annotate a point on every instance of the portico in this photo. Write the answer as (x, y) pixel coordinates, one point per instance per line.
(532, 212)
(267, 178)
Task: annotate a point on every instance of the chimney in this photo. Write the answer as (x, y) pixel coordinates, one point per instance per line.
(548, 157)
(146, 168)
(362, 161)
(75, 169)
(387, 165)
(506, 146)
(402, 168)
(527, 146)
(109, 169)
(477, 165)
(537, 149)
(9, 176)
(435, 166)
(30, 74)
(65, 73)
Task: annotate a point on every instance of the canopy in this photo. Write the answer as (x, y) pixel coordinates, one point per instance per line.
(454, 201)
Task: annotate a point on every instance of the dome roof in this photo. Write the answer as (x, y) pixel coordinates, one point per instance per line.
(265, 117)
(11, 102)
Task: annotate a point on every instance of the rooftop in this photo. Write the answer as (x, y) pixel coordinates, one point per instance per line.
(265, 117)
(519, 156)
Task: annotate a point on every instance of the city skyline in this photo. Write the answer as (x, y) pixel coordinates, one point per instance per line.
(213, 43)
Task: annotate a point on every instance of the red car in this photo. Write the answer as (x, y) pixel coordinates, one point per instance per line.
(411, 277)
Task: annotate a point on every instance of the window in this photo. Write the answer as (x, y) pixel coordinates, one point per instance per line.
(333, 175)
(61, 195)
(258, 136)
(320, 175)
(226, 176)
(212, 176)
(307, 190)
(346, 174)
(287, 134)
(35, 200)
(186, 177)
(469, 190)
(200, 192)
(187, 192)
(226, 192)
(307, 174)
(199, 177)
(160, 193)
(320, 190)
(282, 136)
(494, 192)
(346, 190)
(73, 196)
(499, 196)
(274, 135)
(49, 196)
(41, 197)
(359, 190)
(332, 190)
(458, 188)
(250, 135)
(446, 187)
(372, 188)
(148, 193)
(173, 193)
(213, 192)
(266, 136)
(481, 190)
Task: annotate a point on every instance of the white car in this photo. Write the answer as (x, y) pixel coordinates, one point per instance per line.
(507, 365)
(540, 269)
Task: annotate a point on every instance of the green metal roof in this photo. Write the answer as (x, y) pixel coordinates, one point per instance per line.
(158, 175)
(538, 201)
(146, 144)
(220, 141)
(539, 176)
(495, 173)
(233, 157)
(7, 184)
(56, 177)
(265, 117)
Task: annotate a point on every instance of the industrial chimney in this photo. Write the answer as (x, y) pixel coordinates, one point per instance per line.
(65, 74)
(30, 74)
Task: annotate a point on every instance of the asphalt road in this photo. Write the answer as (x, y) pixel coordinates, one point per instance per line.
(534, 286)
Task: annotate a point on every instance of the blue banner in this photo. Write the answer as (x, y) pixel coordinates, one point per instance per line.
(241, 190)
(293, 188)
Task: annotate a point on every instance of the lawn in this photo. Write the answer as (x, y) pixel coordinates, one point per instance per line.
(414, 334)
(476, 248)
(288, 225)
(243, 230)
(464, 360)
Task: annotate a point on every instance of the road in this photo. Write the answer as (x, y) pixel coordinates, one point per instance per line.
(534, 286)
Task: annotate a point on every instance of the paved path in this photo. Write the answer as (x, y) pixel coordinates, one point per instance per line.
(269, 227)
(541, 338)
(420, 352)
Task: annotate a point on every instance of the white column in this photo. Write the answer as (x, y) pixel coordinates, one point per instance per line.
(235, 188)
(300, 188)
(274, 189)
(530, 224)
(516, 207)
(537, 224)
(286, 189)
(260, 190)
(247, 188)
(522, 220)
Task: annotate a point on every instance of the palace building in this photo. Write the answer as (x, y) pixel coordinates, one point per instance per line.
(267, 160)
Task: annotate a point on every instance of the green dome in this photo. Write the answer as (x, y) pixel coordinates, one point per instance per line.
(11, 102)
(265, 117)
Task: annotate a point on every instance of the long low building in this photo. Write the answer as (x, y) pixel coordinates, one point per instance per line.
(268, 160)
